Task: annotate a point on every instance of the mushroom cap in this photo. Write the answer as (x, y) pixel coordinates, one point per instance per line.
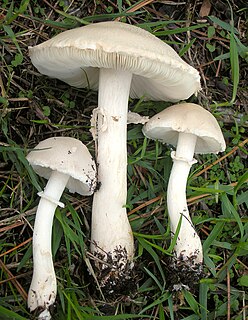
(189, 118)
(75, 57)
(69, 156)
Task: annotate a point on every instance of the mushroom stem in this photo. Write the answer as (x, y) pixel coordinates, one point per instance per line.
(111, 230)
(43, 288)
(188, 243)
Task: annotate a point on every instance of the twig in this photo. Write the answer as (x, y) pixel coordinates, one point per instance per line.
(15, 282)
(145, 204)
(140, 5)
(240, 145)
(136, 7)
(16, 247)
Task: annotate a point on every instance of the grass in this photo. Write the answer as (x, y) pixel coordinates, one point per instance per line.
(33, 107)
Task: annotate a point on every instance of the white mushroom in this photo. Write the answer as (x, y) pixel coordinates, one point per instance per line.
(192, 129)
(65, 162)
(119, 60)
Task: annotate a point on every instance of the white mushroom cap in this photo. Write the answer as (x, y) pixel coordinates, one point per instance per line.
(189, 118)
(69, 156)
(75, 57)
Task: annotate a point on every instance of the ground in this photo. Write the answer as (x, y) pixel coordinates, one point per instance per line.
(212, 37)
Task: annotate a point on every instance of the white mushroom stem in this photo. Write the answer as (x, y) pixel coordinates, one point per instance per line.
(43, 288)
(110, 225)
(188, 242)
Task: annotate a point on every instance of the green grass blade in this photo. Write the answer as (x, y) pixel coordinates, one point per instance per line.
(224, 25)
(7, 314)
(158, 301)
(191, 301)
(203, 300)
(213, 235)
(229, 210)
(234, 61)
(154, 255)
(155, 279)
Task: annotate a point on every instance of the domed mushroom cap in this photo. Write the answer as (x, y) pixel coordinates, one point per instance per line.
(75, 57)
(69, 156)
(189, 118)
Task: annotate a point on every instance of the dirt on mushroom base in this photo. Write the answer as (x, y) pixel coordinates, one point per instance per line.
(38, 311)
(114, 272)
(183, 273)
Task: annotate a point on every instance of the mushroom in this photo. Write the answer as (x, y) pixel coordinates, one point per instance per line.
(65, 162)
(119, 60)
(192, 129)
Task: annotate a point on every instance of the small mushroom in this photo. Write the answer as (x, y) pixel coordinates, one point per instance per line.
(192, 129)
(65, 162)
(119, 60)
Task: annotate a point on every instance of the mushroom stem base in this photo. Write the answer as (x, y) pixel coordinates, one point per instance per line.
(188, 242)
(184, 273)
(43, 288)
(114, 272)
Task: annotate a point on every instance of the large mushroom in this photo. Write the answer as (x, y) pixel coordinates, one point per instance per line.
(192, 129)
(65, 162)
(119, 60)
